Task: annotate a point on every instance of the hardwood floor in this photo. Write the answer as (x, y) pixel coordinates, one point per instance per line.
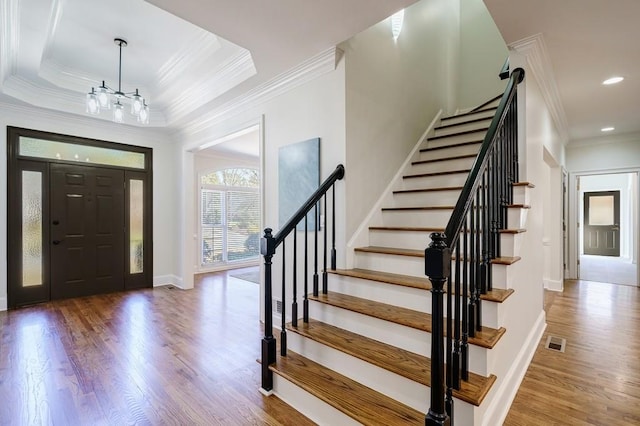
(167, 356)
(597, 380)
(160, 356)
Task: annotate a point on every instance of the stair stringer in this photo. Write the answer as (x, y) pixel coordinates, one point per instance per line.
(361, 235)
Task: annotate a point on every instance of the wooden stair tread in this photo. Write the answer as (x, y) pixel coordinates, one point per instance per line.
(420, 253)
(469, 113)
(436, 160)
(422, 283)
(462, 123)
(527, 184)
(519, 206)
(359, 402)
(486, 338)
(442, 188)
(466, 132)
(399, 361)
(449, 172)
(417, 208)
(490, 101)
(435, 229)
(435, 148)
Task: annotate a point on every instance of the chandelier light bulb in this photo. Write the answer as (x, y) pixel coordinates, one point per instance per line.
(118, 112)
(143, 116)
(93, 105)
(136, 103)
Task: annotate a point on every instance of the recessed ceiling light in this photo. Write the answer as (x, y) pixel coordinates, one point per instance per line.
(607, 129)
(612, 80)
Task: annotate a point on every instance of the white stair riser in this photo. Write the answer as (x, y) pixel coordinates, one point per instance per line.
(405, 297)
(441, 166)
(463, 118)
(462, 127)
(405, 265)
(449, 152)
(438, 181)
(407, 338)
(456, 139)
(404, 390)
(516, 218)
(428, 198)
(435, 218)
(315, 409)
(419, 240)
(521, 195)
(414, 266)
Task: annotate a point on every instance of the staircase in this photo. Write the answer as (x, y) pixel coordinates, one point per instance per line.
(363, 355)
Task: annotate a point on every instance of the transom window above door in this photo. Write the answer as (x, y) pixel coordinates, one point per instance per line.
(229, 216)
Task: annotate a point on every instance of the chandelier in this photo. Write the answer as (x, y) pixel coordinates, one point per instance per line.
(104, 97)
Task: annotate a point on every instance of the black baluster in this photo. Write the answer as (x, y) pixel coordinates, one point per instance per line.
(449, 364)
(305, 303)
(283, 330)
(325, 286)
(267, 249)
(472, 271)
(294, 305)
(333, 229)
(315, 253)
(479, 265)
(464, 350)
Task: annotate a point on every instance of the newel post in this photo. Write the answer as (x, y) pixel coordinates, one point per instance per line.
(268, 249)
(437, 265)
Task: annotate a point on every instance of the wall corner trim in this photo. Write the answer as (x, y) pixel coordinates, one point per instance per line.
(536, 53)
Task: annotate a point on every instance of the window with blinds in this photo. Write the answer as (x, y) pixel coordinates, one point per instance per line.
(230, 217)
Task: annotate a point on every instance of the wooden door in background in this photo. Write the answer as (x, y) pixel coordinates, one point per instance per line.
(602, 223)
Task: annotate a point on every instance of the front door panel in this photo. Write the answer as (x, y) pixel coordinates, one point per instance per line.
(87, 230)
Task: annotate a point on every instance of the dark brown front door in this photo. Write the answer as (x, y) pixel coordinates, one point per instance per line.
(602, 223)
(87, 230)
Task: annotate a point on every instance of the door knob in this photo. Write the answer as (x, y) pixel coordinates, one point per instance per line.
(56, 242)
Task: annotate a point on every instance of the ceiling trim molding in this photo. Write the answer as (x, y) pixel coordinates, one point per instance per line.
(535, 51)
(308, 70)
(234, 71)
(602, 140)
(9, 38)
(56, 14)
(83, 121)
(200, 49)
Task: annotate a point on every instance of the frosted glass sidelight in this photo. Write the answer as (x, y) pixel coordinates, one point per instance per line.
(136, 226)
(601, 211)
(31, 228)
(41, 148)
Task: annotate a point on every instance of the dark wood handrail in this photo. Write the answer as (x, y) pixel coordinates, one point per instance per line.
(337, 174)
(474, 179)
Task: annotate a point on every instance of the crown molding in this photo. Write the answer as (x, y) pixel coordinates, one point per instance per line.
(198, 51)
(9, 37)
(603, 140)
(54, 20)
(234, 71)
(535, 51)
(308, 70)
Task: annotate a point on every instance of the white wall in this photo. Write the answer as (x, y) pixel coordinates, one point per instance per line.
(165, 231)
(482, 54)
(393, 91)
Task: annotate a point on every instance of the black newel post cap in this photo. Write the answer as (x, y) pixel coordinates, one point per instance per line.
(437, 257)
(267, 243)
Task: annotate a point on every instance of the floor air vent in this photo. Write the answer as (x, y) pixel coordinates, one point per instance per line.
(556, 343)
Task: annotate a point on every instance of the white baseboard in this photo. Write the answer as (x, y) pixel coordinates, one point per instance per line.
(162, 280)
(553, 285)
(3, 304)
(499, 408)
